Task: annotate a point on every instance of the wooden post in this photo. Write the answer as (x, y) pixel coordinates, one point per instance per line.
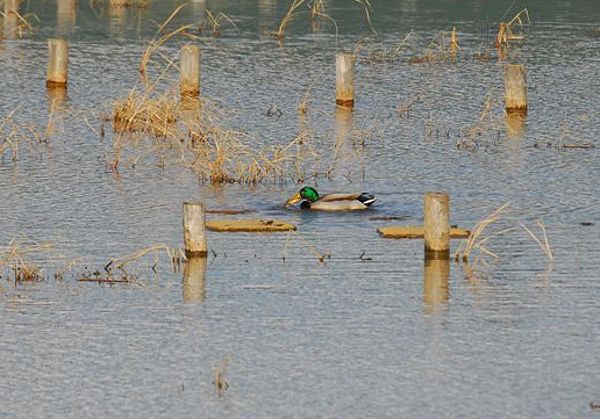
(437, 225)
(11, 7)
(189, 81)
(58, 63)
(194, 229)
(516, 89)
(344, 80)
(436, 291)
(194, 279)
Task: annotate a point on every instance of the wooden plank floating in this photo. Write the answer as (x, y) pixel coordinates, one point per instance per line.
(228, 211)
(249, 226)
(417, 232)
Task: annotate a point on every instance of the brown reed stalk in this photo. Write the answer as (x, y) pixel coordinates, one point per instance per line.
(542, 241)
(512, 30)
(476, 241)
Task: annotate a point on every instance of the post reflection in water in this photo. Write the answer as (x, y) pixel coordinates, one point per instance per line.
(66, 11)
(116, 18)
(190, 109)
(515, 125)
(194, 280)
(436, 291)
(57, 97)
(343, 124)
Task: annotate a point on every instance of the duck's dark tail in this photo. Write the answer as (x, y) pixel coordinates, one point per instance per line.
(367, 199)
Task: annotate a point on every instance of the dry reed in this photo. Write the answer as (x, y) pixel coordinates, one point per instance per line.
(159, 39)
(153, 124)
(476, 241)
(542, 241)
(219, 381)
(17, 25)
(377, 54)
(488, 122)
(512, 30)
(215, 21)
(442, 48)
(315, 9)
(481, 236)
(176, 257)
(15, 135)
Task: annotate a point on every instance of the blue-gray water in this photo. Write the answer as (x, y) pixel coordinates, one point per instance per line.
(376, 336)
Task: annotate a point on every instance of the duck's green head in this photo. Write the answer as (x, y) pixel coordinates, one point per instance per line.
(308, 192)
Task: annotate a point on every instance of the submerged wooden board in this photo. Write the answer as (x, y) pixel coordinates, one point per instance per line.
(249, 226)
(417, 232)
(227, 211)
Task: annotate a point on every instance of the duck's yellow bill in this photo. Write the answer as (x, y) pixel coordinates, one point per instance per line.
(293, 200)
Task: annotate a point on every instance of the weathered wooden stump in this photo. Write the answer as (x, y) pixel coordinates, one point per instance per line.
(437, 225)
(344, 80)
(58, 63)
(194, 229)
(189, 82)
(515, 89)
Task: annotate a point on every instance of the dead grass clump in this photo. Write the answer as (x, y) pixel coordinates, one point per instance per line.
(15, 258)
(226, 157)
(150, 125)
(147, 113)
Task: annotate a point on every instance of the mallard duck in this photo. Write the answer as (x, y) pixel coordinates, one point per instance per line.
(331, 202)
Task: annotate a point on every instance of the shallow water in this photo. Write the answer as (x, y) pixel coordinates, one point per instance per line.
(377, 336)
